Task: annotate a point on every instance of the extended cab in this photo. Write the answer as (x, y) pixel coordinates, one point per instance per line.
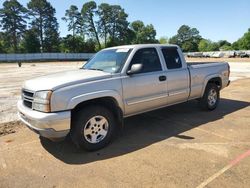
(90, 103)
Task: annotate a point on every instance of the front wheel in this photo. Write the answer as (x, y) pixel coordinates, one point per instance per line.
(211, 97)
(93, 127)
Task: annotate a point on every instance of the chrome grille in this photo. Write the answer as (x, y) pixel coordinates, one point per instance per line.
(27, 97)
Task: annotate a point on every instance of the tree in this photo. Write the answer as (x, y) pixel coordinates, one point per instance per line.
(244, 42)
(163, 40)
(226, 47)
(104, 13)
(214, 47)
(89, 46)
(1, 47)
(2, 43)
(203, 45)
(45, 23)
(207, 46)
(235, 45)
(88, 13)
(76, 44)
(187, 38)
(71, 44)
(52, 39)
(223, 43)
(118, 25)
(13, 20)
(74, 20)
(30, 42)
(143, 34)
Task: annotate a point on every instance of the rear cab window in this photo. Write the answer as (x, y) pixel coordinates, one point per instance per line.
(172, 58)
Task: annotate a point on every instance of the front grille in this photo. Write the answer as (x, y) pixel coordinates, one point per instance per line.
(27, 97)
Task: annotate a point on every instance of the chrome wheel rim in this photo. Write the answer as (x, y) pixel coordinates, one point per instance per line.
(96, 129)
(212, 97)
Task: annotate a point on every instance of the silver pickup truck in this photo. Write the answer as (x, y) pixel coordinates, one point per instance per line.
(90, 103)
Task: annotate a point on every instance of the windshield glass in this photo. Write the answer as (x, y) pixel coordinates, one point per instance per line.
(108, 60)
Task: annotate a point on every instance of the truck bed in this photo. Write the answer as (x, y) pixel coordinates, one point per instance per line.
(200, 73)
(201, 63)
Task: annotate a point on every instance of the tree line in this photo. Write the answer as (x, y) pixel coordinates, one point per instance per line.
(34, 28)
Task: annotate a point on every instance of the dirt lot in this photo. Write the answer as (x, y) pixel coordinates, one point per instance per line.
(179, 146)
(12, 78)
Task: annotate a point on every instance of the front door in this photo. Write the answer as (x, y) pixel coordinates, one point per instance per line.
(147, 89)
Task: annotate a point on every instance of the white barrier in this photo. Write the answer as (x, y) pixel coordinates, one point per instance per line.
(44, 57)
(219, 54)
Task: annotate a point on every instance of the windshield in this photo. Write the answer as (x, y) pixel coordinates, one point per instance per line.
(108, 60)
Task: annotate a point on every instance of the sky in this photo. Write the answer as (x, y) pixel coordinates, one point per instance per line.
(215, 19)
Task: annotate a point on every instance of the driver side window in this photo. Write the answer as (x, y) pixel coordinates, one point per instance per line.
(149, 59)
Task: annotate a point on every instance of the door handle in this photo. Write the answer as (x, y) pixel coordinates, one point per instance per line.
(162, 78)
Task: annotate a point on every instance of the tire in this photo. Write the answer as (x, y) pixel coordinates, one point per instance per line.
(93, 127)
(211, 97)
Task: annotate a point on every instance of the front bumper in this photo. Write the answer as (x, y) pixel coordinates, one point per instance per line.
(54, 125)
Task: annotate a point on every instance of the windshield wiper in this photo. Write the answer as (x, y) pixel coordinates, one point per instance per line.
(92, 69)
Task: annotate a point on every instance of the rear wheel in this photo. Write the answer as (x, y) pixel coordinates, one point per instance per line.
(93, 127)
(211, 97)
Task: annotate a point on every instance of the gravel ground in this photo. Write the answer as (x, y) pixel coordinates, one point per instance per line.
(180, 146)
(10, 127)
(12, 78)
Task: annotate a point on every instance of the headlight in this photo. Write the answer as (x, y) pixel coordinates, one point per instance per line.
(41, 101)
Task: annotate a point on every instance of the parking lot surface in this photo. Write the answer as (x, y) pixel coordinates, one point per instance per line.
(12, 78)
(178, 146)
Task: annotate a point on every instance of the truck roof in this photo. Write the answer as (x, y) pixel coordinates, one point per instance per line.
(143, 46)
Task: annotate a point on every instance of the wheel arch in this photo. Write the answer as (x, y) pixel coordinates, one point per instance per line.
(216, 79)
(108, 102)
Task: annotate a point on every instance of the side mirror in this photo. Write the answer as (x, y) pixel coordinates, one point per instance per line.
(135, 68)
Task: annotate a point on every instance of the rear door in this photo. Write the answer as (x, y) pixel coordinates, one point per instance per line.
(177, 76)
(147, 89)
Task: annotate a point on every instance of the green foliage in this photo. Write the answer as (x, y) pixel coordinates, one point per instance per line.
(226, 47)
(203, 45)
(112, 24)
(104, 13)
(74, 20)
(244, 42)
(13, 18)
(187, 38)
(89, 46)
(117, 25)
(2, 46)
(89, 10)
(30, 42)
(71, 44)
(45, 23)
(207, 46)
(163, 40)
(143, 34)
(223, 43)
(235, 45)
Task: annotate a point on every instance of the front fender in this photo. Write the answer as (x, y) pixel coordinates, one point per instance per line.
(95, 95)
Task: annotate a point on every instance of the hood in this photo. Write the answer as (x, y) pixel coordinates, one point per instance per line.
(62, 79)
